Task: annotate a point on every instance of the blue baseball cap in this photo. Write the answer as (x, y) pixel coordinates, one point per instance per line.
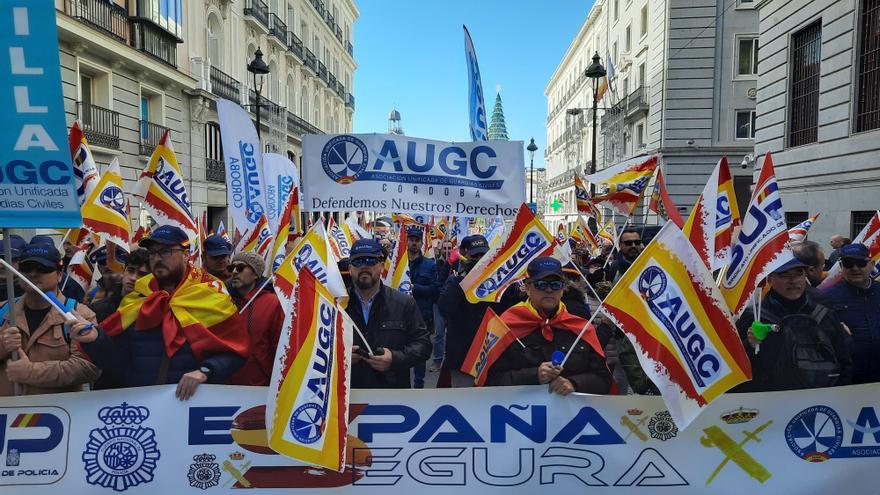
(789, 265)
(44, 254)
(854, 251)
(543, 267)
(17, 245)
(42, 239)
(366, 248)
(217, 245)
(473, 244)
(414, 231)
(168, 235)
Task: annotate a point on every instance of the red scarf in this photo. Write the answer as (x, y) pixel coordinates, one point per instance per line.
(523, 319)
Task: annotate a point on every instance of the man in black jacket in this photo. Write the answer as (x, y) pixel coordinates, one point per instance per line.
(389, 320)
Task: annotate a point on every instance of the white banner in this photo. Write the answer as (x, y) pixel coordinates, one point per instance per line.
(493, 440)
(280, 176)
(245, 189)
(387, 172)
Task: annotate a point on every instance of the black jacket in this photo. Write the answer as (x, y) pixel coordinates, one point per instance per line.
(396, 324)
(585, 368)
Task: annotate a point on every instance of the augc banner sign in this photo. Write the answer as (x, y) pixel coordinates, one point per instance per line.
(502, 440)
(387, 172)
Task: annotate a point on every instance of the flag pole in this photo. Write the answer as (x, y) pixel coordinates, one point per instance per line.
(259, 289)
(581, 334)
(50, 298)
(10, 297)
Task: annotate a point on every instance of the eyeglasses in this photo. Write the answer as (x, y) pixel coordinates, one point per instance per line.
(636, 242)
(368, 261)
(545, 284)
(236, 267)
(163, 253)
(851, 262)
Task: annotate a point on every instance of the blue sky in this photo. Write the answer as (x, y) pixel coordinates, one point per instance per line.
(410, 56)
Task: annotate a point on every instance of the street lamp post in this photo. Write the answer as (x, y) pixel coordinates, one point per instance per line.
(532, 148)
(258, 67)
(595, 72)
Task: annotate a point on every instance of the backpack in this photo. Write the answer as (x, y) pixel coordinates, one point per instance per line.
(806, 356)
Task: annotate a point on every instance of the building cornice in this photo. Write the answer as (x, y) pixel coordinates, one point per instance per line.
(592, 16)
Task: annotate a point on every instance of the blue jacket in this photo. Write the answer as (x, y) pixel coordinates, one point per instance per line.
(859, 309)
(135, 358)
(426, 285)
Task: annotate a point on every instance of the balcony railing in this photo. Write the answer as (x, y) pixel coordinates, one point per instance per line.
(311, 61)
(224, 85)
(322, 71)
(101, 15)
(637, 100)
(153, 40)
(100, 125)
(297, 126)
(277, 28)
(350, 48)
(339, 33)
(151, 134)
(258, 10)
(331, 81)
(294, 44)
(331, 22)
(319, 6)
(350, 101)
(215, 170)
(340, 90)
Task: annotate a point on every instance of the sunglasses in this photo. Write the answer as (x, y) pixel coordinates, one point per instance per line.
(359, 262)
(632, 243)
(850, 262)
(546, 284)
(236, 267)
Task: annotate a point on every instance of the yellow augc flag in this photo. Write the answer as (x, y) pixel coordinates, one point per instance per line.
(506, 263)
(580, 232)
(669, 307)
(398, 269)
(307, 406)
(162, 189)
(280, 241)
(104, 212)
(491, 340)
(313, 252)
(624, 183)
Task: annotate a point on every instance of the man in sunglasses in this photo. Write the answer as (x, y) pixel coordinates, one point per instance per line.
(264, 317)
(856, 300)
(389, 319)
(47, 362)
(629, 249)
(542, 325)
(215, 256)
(178, 325)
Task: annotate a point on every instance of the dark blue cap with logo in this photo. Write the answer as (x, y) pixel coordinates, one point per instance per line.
(473, 244)
(543, 267)
(790, 265)
(366, 248)
(42, 239)
(168, 235)
(414, 231)
(42, 253)
(855, 251)
(217, 245)
(17, 245)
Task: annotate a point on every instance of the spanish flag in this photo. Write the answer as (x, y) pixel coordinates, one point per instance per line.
(279, 245)
(624, 183)
(162, 188)
(198, 312)
(105, 210)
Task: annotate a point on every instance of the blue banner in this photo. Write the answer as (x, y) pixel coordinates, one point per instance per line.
(479, 128)
(37, 186)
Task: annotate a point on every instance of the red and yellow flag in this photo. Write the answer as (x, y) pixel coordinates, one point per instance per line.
(162, 188)
(104, 211)
(624, 183)
(312, 251)
(279, 245)
(491, 340)
(714, 218)
(85, 171)
(397, 275)
(78, 269)
(339, 241)
(307, 405)
(584, 201)
(580, 232)
(662, 204)
(258, 240)
(671, 310)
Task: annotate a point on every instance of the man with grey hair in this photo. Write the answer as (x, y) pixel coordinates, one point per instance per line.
(813, 256)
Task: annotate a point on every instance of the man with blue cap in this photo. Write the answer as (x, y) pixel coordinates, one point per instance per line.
(216, 253)
(856, 300)
(805, 346)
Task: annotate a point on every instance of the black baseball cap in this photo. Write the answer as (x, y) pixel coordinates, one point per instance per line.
(473, 244)
(854, 251)
(414, 231)
(543, 267)
(17, 245)
(168, 235)
(217, 245)
(366, 248)
(44, 254)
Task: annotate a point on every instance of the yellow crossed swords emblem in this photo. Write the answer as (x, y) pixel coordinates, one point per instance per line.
(237, 473)
(634, 427)
(715, 437)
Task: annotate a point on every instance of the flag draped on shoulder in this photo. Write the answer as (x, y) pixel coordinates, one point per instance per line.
(714, 218)
(506, 263)
(162, 189)
(105, 211)
(758, 247)
(85, 171)
(799, 232)
(671, 310)
(870, 237)
(661, 203)
(624, 184)
(307, 403)
(398, 269)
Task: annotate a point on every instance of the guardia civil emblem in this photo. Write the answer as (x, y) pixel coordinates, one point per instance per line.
(122, 453)
(204, 472)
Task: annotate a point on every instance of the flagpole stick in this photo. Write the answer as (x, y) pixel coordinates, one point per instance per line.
(367, 344)
(581, 334)
(10, 298)
(50, 298)
(616, 242)
(64, 239)
(259, 289)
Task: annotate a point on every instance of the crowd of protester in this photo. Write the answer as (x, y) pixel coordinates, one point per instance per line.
(163, 319)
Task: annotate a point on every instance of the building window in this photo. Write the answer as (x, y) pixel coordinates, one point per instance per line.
(793, 218)
(642, 75)
(745, 124)
(747, 58)
(858, 220)
(213, 144)
(644, 27)
(616, 9)
(868, 96)
(627, 40)
(806, 55)
(640, 135)
(291, 156)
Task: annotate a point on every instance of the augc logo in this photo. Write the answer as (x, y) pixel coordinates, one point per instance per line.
(344, 158)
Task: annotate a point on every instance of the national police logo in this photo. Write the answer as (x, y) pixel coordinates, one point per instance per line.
(661, 426)
(344, 158)
(204, 472)
(815, 433)
(122, 454)
(112, 197)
